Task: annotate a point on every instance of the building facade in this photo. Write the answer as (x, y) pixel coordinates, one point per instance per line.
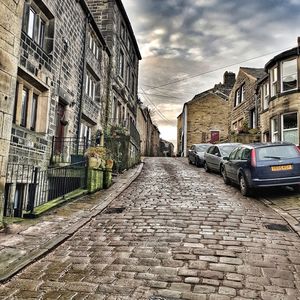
(244, 107)
(113, 21)
(204, 118)
(11, 19)
(60, 93)
(279, 94)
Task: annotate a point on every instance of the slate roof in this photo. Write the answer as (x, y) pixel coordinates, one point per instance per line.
(255, 72)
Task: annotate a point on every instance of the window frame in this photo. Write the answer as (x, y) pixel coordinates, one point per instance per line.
(273, 81)
(289, 129)
(273, 132)
(282, 75)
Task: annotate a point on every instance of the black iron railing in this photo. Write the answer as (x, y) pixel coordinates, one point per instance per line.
(28, 187)
(70, 149)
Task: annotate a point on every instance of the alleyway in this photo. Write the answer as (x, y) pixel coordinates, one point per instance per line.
(182, 234)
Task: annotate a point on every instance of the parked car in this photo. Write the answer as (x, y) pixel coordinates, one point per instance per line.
(213, 157)
(263, 165)
(196, 154)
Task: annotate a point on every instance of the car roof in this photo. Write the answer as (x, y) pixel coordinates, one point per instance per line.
(203, 144)
(228, 144)
(263, 145)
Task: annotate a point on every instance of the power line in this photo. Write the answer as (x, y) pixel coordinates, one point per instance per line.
(159, 95)
(214, 70)
(157, 110)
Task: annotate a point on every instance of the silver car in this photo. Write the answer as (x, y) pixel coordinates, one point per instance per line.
(213, 157)
(196, 154)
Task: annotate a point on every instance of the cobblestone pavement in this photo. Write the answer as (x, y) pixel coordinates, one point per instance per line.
(183, 234)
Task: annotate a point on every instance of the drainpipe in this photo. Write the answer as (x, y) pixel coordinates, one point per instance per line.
(83, 80)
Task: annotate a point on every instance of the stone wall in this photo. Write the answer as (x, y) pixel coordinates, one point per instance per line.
(241, 112)
(10, 21)
(179, 134)
(205, 114)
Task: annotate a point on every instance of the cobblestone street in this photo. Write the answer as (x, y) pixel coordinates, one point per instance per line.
(183, 234)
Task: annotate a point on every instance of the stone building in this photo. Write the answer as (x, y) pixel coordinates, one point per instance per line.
(155, 141)
(60, 92)
(204, 118)
(166, 148)
(113, 21)
(179, 135)
(10, 21)
(280, 98)
(244, 107)
(143, 121)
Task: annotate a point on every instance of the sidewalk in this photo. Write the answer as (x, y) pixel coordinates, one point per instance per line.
(24, 242)
(286, 203)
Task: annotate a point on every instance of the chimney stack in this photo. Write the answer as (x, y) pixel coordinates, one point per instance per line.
(229, 79)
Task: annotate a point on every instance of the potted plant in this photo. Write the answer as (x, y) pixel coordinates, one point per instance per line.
(96, 156)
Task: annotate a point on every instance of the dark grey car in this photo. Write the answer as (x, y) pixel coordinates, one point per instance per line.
(213, 157)
(196, 154)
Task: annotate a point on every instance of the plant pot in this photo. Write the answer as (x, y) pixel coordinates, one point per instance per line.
(94, 163)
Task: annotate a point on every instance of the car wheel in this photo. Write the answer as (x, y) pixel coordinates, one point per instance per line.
(244, 188)
(225, 178)
(198, 164)
(206, 168)
(190, 162)
(296, 188)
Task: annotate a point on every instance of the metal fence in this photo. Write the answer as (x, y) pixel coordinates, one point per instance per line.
(28, 187)
(70, 149)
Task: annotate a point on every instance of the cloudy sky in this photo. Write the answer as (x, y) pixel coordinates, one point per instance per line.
(181, 39)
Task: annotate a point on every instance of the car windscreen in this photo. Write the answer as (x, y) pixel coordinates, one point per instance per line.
(202, 148)
(277, 152)
(226, 149)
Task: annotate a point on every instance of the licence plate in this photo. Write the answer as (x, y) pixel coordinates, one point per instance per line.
(282, 168)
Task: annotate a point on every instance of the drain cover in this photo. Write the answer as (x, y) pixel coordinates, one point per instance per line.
(114, 210)
(278, 227)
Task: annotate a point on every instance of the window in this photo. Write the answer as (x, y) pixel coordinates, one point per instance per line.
(252, 118)
(273, 83)
(33, 111)
(121, 64)
(246, 155)
(24, 106)
(34, 26)
(265, 96)
(128, 76)
(237, 98)
(239, 95)
(38, 24)
(30, 111)
(290, 132)
(238, 155)
(289, 75)
(93, 45)
(274, 129)
(232, 154)
(242, 93)
(90, 86)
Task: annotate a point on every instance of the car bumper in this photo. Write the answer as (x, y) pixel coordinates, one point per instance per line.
(256, 182)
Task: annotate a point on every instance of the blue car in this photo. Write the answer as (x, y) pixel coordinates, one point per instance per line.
(262, 165)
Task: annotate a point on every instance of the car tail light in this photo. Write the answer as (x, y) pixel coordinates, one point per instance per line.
(253, 158)
(298, 149)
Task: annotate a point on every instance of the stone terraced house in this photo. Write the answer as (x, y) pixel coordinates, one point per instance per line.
(58, 94)
(279, 94)
(115, 26)
(244, 107)
(204, 118)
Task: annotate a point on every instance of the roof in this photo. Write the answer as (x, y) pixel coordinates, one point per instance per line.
(283, 55)
(126, 19)
(254, 72)
(94, 25)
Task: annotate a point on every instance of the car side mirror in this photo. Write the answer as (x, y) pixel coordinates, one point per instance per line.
(226, 158)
